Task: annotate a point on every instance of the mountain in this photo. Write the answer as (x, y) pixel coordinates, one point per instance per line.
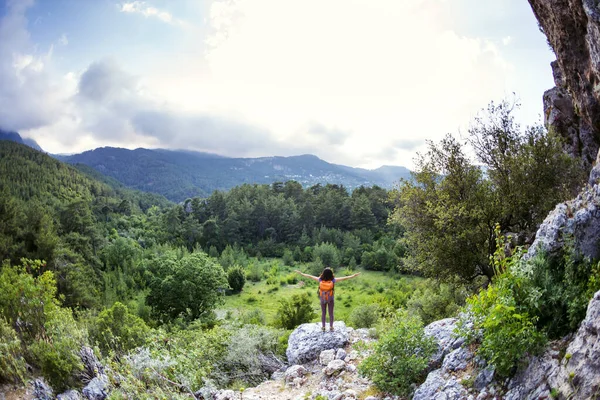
(180, 174)
(31, 175)
(15, 137)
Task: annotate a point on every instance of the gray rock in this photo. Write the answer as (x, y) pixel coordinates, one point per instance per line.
(334, 366)
(484, 378)
(70, 395)
(371, 398)
(439, 386)
(326, 356)
(307, 341)
(350, 394)
(91, 366)
(97, 389)
(457, 360)
(443, 333)
(340, 354)
(582, 369)
(578, 219)
(293, 372)
(351, 368)
(206, 393)
(225, 395)
(41, 390)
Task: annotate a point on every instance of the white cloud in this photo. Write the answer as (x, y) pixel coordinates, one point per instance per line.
(63, 40)
(384, 70)
(141, 7)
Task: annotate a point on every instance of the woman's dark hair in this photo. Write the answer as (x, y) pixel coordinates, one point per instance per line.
(327, 274)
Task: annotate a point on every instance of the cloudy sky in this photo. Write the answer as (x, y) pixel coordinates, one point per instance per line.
(356, 82)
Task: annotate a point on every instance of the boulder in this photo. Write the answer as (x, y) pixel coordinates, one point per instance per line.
(340, 354)
(326, 356)
(457, 360)
(308, 341)
(578, 219)
(70, 395)
(41, 390)
(334, 366)
(293, 372)
(439, 386)
(225, 395)
(443, 333)
(97, 389)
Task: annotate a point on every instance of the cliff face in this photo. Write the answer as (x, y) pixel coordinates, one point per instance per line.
(572, 108)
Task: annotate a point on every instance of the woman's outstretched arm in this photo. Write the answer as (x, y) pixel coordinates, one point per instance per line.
(314, 278)
(343, 278)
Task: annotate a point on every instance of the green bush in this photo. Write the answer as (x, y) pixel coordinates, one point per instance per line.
(288, 258)
(255, 316)
(365, 316)
(12, 363)
(295, 311)
(255, 272)
(401, 355)
(58, 354)
(119, 330)
(236, 278)
(433, 301)
(508, 335)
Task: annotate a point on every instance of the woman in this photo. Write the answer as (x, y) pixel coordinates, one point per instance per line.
(326, 285)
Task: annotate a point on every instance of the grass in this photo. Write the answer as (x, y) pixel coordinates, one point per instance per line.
(369, 287)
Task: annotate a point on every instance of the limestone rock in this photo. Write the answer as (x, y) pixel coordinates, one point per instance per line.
(578, 218)
(573, 31)
(293, 372)
(334, 366)
(70, 395)
(225, 395)
(439, 386)
(484, 378)
(326, 356)
(340, 354)
(42, 391)
(582, 368)
(457, 360)
(97, 389)
(443, 333)
(307, 341)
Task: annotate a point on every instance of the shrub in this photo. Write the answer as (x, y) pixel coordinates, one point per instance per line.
(250, 356)
(236, 278)
(404, 350)
(364, 316)
(12, 363)
(295, 311)
(288, 258)
(253, 317)
(255, 272)
(117, 329)
(507, 334)
(58, 354)
(433, 301)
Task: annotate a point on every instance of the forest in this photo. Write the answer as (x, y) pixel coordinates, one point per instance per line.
(163, 292)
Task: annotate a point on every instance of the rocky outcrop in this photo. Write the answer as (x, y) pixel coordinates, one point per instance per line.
(42, 391)
(577, 220)
(308, 341)
(573, 31)
(571, 374)
(443, 333)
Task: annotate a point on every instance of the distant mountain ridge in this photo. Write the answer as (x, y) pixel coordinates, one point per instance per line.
(15, 137)
(179, 174)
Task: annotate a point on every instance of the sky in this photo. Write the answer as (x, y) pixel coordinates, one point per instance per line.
(362, 83)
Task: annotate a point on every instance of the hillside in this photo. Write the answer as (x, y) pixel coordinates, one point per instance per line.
(178, 175)
(28, 175)
(15, 137)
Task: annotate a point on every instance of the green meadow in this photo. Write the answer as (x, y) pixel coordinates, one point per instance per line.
(280, 282)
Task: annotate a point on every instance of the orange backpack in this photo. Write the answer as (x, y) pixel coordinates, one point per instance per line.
(326, 290)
